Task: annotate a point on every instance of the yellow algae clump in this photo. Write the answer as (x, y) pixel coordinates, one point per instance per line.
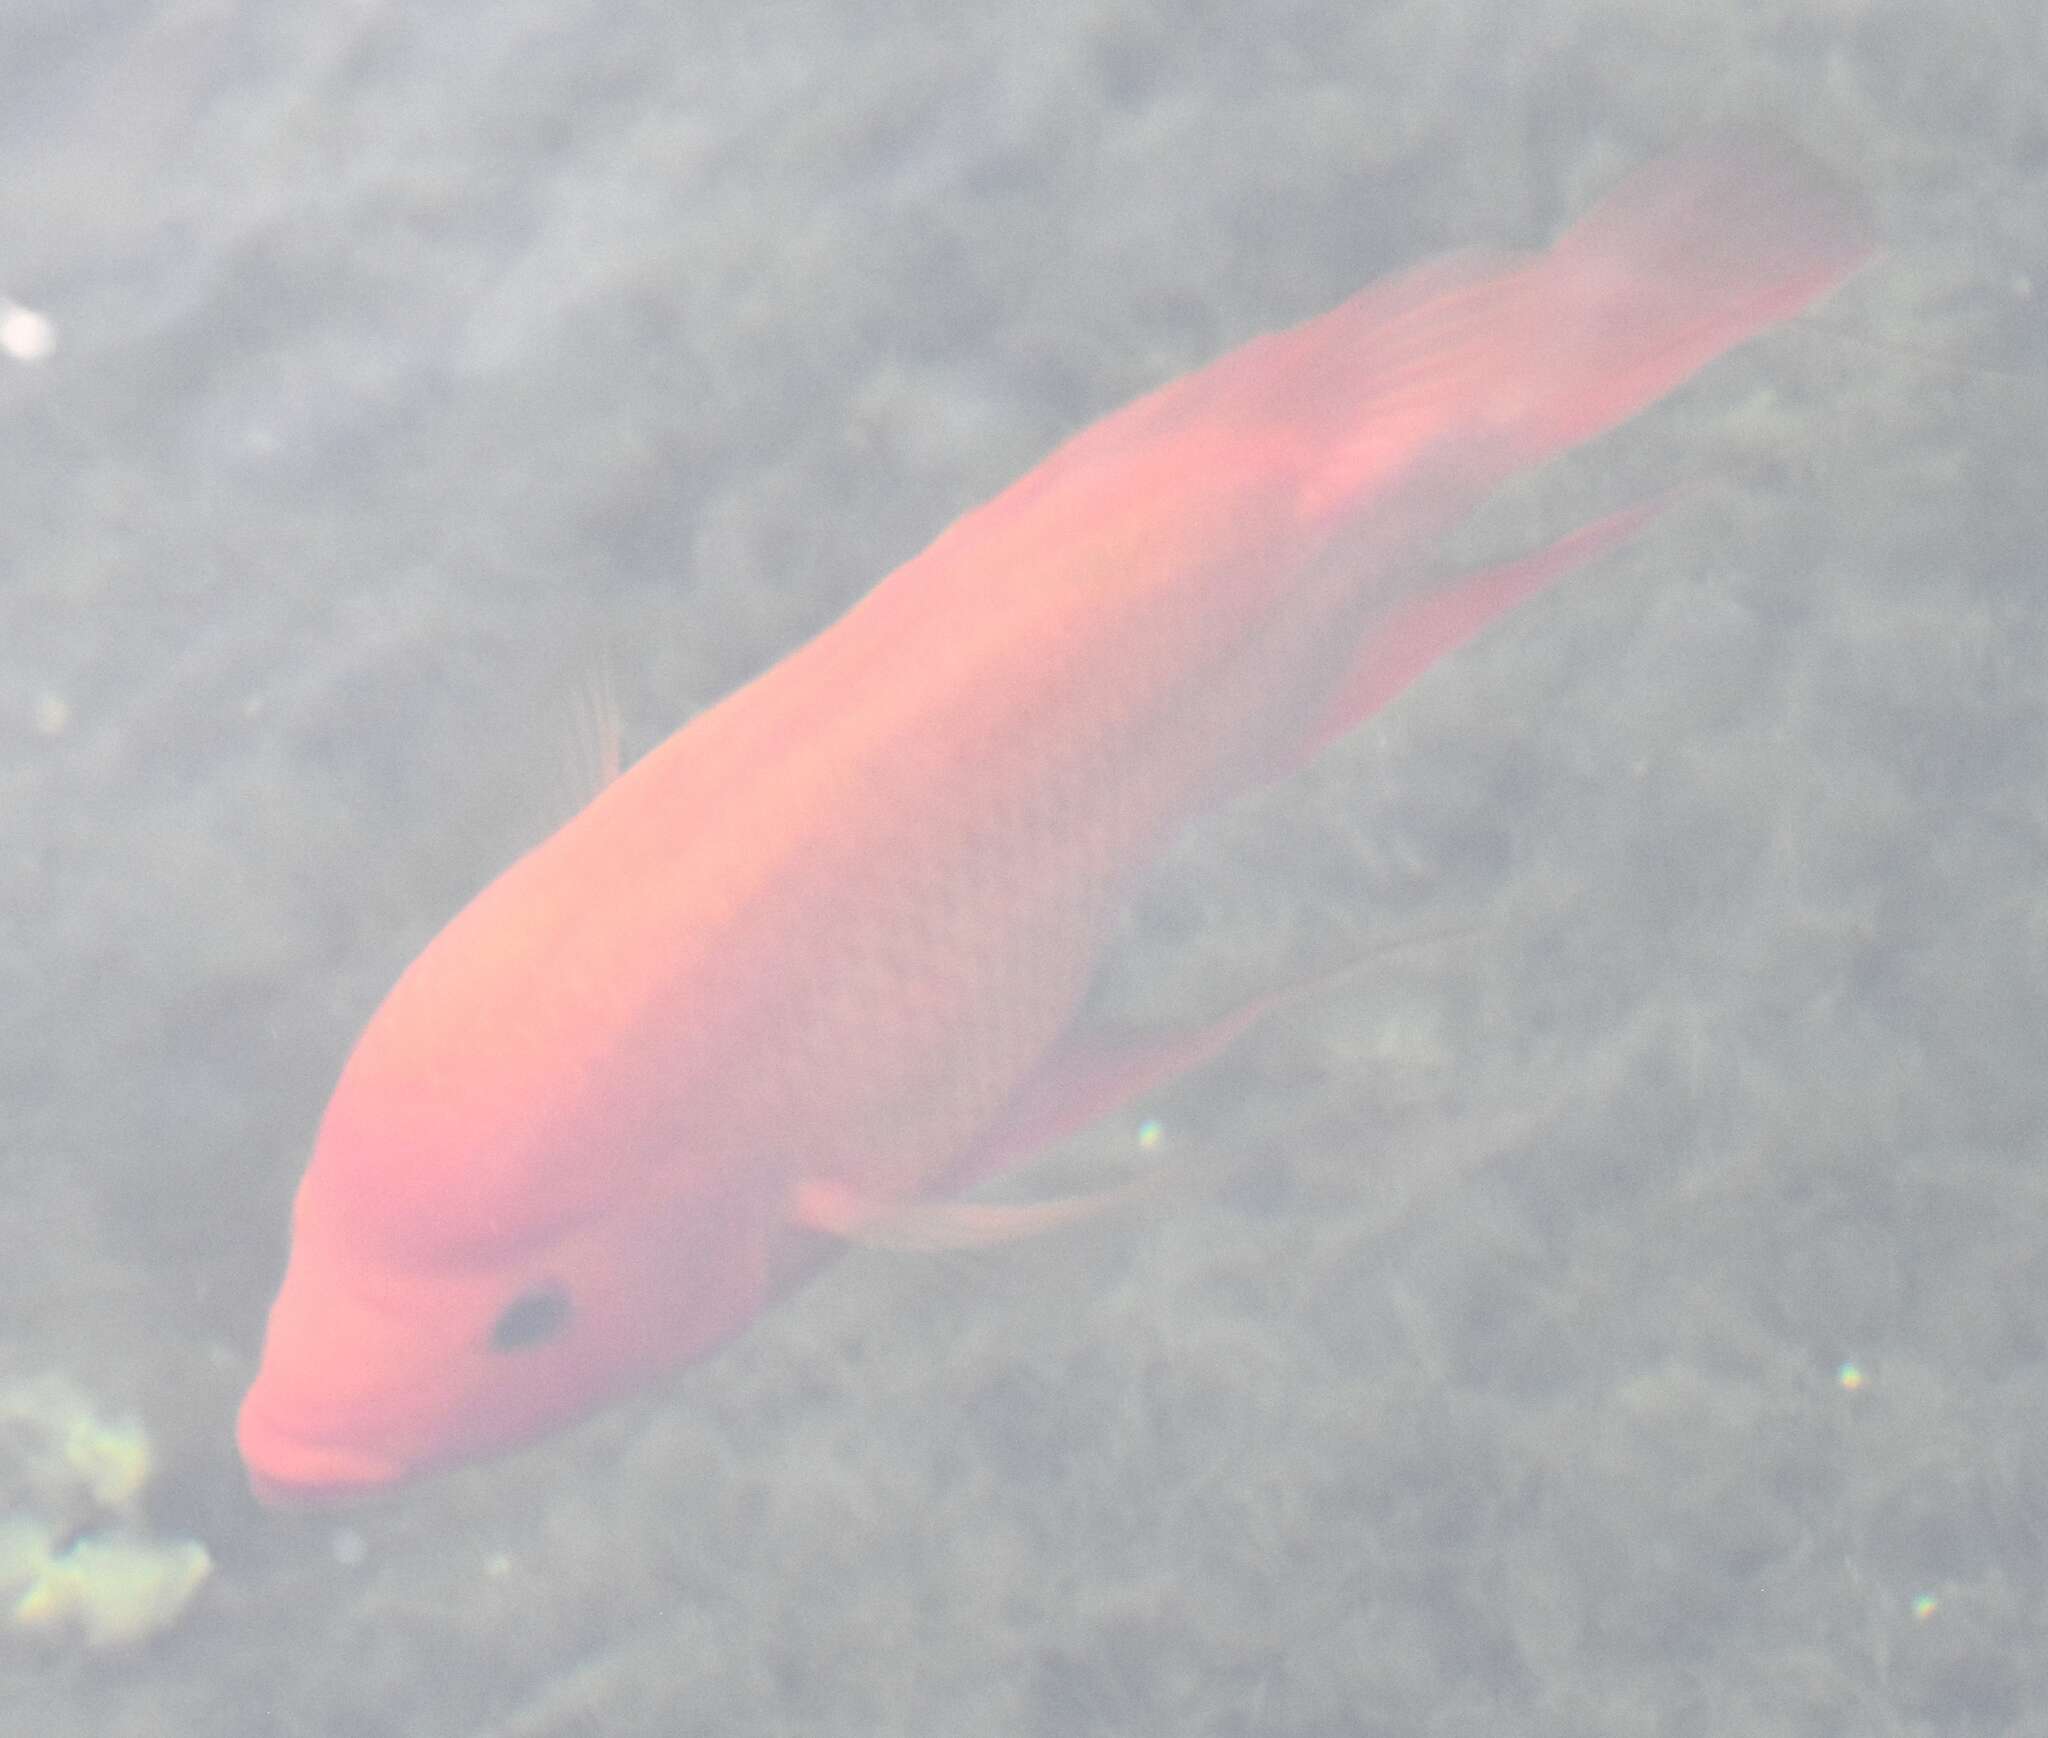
(110, 1461)
(60, 1458)
(75, 1559)
(114, 1588)
(24, 1553)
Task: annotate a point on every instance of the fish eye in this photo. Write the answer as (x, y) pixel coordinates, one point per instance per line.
(531, 1319)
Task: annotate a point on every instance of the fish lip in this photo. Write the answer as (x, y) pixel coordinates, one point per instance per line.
(288, 1472)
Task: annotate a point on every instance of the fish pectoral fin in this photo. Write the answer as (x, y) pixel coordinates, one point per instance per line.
(922, 1226)
(1093, 1072)
(1418, 631)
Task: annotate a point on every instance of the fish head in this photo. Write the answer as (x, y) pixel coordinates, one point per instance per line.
(495, 1236)
(380, 1364)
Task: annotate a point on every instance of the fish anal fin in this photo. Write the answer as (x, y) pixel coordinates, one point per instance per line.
(1403, 643)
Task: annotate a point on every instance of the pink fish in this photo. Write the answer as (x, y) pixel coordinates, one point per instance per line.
(813, 964)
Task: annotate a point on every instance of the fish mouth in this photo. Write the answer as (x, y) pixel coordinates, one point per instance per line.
(287, 1472)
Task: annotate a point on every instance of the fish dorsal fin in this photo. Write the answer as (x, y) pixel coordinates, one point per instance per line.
(595, 751)
(924, 1226)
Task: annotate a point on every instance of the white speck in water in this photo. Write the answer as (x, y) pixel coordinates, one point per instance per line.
(25, 335)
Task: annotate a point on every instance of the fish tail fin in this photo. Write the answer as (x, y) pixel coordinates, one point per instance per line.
(1686, 259)
(1489, 364)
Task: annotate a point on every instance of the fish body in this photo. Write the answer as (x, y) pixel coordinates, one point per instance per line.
(818, 956)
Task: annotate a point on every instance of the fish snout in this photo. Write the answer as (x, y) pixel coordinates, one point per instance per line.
(286, 1471)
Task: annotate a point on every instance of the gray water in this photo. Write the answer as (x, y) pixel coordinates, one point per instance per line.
(1627, 1315)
